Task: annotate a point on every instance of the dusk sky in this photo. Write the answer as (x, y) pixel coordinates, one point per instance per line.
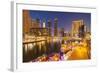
(64, 18)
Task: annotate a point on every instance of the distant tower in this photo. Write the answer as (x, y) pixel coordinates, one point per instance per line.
(62, 32)
(38, 22)
(55, 26)
(44, 23)
(85, 29)
(49, 27)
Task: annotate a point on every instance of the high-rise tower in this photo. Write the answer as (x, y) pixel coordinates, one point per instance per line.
(44, 23)
(55, 26)
(26, 22)
(78, 28)
(49, 27)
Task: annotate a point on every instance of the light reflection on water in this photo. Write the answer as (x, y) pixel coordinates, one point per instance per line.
(33, 50)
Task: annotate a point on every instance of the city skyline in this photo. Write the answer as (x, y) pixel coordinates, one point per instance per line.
(45, 36)
(64, 18)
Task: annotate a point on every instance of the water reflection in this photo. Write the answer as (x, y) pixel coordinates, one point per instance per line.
(60, 49)
(36, 49)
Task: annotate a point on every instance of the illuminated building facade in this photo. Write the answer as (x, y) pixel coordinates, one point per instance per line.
(49, 27)
(38, 30)
(32, 26)
(62, 32)
(44, 23)
(35, 23)
(55, 26)
(26, 22)
(78, 28)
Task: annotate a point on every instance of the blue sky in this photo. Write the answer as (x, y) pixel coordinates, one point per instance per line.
(64, 18)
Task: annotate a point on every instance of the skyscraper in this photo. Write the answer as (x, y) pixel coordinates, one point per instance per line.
(26, 22)
(77, 28)
(38, 22)
(62, 32)
(81, 31)
(55, 26)
(35, 23)
(49, 27)
(44, 23)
